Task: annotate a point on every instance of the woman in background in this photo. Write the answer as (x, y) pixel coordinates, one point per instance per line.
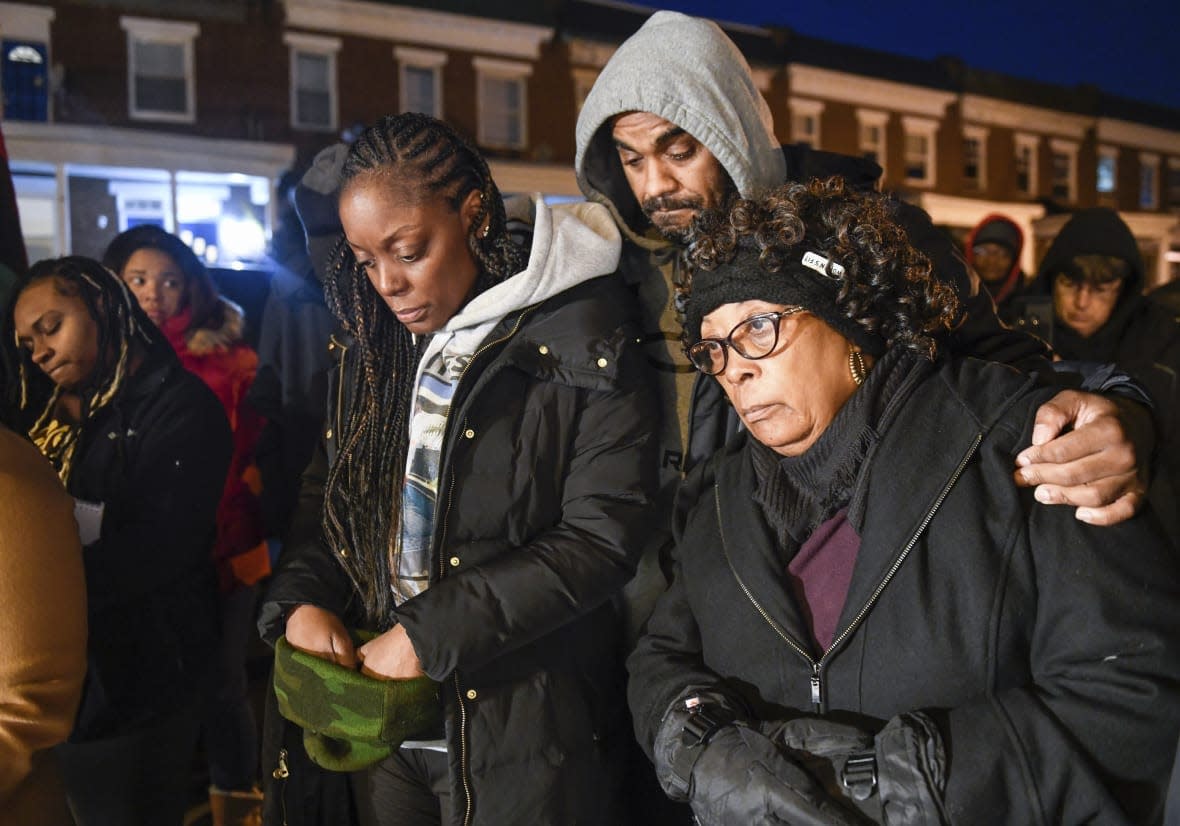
(205, 329)
(142, 446)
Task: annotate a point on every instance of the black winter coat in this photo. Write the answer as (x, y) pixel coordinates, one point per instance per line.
(1050, 663)
(1141, 337)
(290, 389)
(547, 471)
(157, 458)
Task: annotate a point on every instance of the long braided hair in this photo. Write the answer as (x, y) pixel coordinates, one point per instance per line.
(123, 331)
(424, 158)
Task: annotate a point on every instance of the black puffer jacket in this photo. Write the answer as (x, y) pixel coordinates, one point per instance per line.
(156, 457)
(547, 472)
(1051, 665)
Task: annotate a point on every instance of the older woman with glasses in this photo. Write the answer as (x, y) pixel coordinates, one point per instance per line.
(867, 616)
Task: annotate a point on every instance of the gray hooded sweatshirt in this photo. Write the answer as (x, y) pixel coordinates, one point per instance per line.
(687, 71)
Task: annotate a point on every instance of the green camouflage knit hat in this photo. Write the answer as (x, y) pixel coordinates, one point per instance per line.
(350, 720)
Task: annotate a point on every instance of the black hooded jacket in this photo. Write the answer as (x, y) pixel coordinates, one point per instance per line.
(156, 457)
(1140, 337)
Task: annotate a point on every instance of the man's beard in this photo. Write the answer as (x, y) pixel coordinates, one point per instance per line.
(674, 232)
(683, 234)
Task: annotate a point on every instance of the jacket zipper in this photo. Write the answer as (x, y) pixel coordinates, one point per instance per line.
(817, 666)
(281, 773)
(442, 568)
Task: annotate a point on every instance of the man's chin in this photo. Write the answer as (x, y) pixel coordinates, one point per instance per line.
(675, 230)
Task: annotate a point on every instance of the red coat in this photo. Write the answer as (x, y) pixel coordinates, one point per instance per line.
(220, 359)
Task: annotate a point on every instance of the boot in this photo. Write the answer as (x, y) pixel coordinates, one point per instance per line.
(230, 808)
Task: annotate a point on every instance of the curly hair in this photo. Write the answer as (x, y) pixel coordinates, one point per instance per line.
(888, 288)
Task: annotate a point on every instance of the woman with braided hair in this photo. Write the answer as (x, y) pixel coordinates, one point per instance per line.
(142, 446)
(480, 498)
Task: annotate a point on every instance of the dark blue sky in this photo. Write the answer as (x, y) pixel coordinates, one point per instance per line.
(1129, 48)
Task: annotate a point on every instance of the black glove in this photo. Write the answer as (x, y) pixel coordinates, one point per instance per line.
(823, 747)
(911, 771)
(817, 736)
(733, 775)
(688, 725)
(742, 778)
(897, 777)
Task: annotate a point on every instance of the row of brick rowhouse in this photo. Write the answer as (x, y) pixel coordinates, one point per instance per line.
(185, 115)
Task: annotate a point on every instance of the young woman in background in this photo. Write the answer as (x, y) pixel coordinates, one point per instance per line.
(205, 329)
(142, 446)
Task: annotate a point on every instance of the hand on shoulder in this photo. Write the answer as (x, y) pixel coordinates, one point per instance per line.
(1084, 454)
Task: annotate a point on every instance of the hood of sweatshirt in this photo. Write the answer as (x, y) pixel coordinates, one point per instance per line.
(659, 70)
(1094, 231)
(571, 243)
(998, 229)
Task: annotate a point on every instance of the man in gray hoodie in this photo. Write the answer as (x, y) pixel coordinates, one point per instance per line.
(675, 124)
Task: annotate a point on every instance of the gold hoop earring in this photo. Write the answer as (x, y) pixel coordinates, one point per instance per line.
(856, 366)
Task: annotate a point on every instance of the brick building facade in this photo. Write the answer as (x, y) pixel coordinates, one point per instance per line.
(123, 112)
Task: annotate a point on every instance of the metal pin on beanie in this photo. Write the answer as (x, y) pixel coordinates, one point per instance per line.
(824, 266)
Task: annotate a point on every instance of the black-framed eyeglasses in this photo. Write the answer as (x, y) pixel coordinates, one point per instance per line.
(755, 338)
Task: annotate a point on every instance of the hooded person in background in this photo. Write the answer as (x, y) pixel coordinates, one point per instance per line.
(296, 354)
(993, 250)
(290, 388)
(675, 124)
(1095, 276)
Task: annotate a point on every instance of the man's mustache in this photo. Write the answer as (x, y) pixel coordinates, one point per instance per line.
(666, 204)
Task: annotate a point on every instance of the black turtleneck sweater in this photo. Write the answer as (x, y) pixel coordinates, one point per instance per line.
(814, 501)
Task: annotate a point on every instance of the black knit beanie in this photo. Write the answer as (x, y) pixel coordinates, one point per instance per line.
(807, 279)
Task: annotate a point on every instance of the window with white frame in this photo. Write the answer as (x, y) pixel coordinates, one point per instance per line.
(1149, 179)
(313, 81)
(1064, 156)
(1107, 180)
(502, 99)
(975, 158)
(805, 121)
(920, 150)
(1025, 161)
(419, 78)
(871, 134)
(161, 83)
